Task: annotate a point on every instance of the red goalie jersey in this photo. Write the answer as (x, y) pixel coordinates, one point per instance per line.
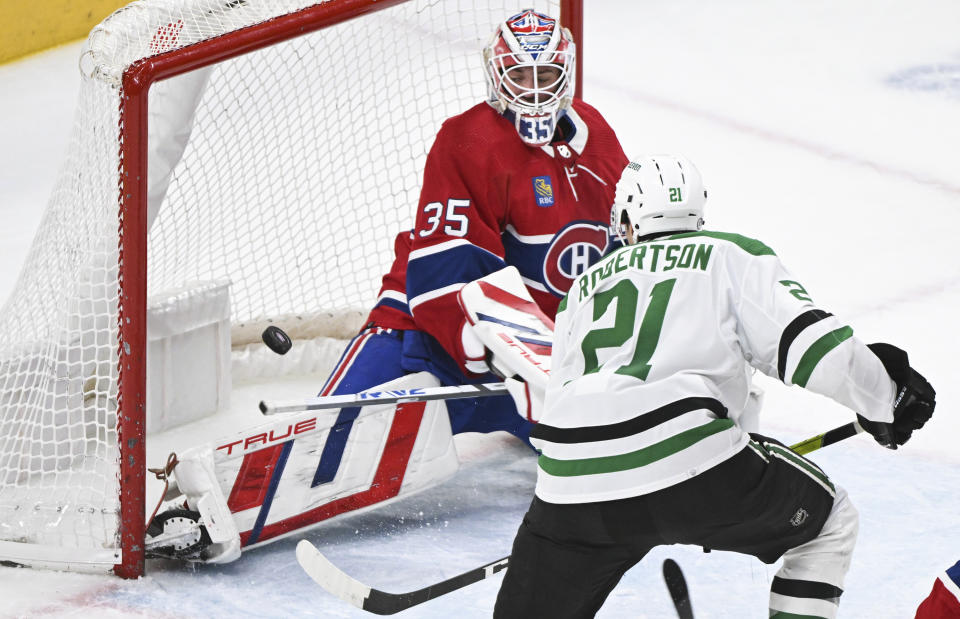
(488, 201)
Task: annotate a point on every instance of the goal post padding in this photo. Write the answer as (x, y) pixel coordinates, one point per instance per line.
(295, 159)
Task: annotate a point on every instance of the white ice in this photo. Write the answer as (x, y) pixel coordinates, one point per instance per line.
(829, 130)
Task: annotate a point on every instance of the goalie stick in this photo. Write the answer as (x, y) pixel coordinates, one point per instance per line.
(347, 588)
(351, 590)
(395, 396)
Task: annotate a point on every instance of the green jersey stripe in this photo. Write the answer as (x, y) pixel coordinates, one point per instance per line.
(816, 352)
(751, 246)
(811, 469)
(758, 450)
(634, 459)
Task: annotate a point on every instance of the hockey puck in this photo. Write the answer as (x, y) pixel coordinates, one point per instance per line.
(276, 340)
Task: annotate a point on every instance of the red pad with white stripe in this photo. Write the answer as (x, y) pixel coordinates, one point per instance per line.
(511, 325)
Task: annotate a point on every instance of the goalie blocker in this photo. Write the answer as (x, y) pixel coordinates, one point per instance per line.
(517, 335)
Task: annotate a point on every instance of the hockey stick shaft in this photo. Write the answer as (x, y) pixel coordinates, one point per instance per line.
(394, 396)
(347, 588)
(827, 438)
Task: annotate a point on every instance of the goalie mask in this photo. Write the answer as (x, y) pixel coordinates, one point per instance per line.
(657, 194)
(530, 67)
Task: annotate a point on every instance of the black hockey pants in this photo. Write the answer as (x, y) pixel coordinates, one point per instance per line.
(567, 558)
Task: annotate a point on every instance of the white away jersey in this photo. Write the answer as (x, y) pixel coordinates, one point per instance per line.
(651, 363)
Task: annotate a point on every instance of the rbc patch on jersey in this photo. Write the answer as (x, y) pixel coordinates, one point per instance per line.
(543, 190)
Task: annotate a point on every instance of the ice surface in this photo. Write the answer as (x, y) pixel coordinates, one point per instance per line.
(827, 130)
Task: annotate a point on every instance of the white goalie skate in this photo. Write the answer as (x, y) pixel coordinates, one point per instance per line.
(177, 534)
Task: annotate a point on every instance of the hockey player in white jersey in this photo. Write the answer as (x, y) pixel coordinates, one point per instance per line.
(639, 445)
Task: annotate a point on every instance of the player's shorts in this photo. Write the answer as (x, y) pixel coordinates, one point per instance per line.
(567, 558)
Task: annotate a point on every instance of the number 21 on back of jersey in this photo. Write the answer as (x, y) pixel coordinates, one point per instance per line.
(626, 295)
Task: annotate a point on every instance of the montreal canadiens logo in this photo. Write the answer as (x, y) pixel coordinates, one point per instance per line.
(572, 250)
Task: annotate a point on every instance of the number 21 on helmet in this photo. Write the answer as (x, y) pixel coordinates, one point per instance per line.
(657, 194)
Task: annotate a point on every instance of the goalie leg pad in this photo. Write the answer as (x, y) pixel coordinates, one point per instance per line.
(296, 471)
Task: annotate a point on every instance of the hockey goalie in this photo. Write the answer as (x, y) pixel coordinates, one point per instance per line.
(524, 179)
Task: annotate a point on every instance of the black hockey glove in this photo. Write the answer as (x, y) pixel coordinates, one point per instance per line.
(914, 402)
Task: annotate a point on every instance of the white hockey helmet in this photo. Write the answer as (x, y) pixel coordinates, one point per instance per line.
(530, 66)
(656, 194)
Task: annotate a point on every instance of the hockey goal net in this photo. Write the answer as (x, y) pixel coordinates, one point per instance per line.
(285, 143)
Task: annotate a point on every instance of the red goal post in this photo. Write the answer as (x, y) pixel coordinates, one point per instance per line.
(291, 170)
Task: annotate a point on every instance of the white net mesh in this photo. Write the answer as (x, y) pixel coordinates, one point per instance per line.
(58, 362)
(303, 161)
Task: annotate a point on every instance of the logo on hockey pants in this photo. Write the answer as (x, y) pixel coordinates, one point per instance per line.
(799, 518)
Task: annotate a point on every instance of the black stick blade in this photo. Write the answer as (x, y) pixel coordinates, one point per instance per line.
(677, 586)
(375, 601)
